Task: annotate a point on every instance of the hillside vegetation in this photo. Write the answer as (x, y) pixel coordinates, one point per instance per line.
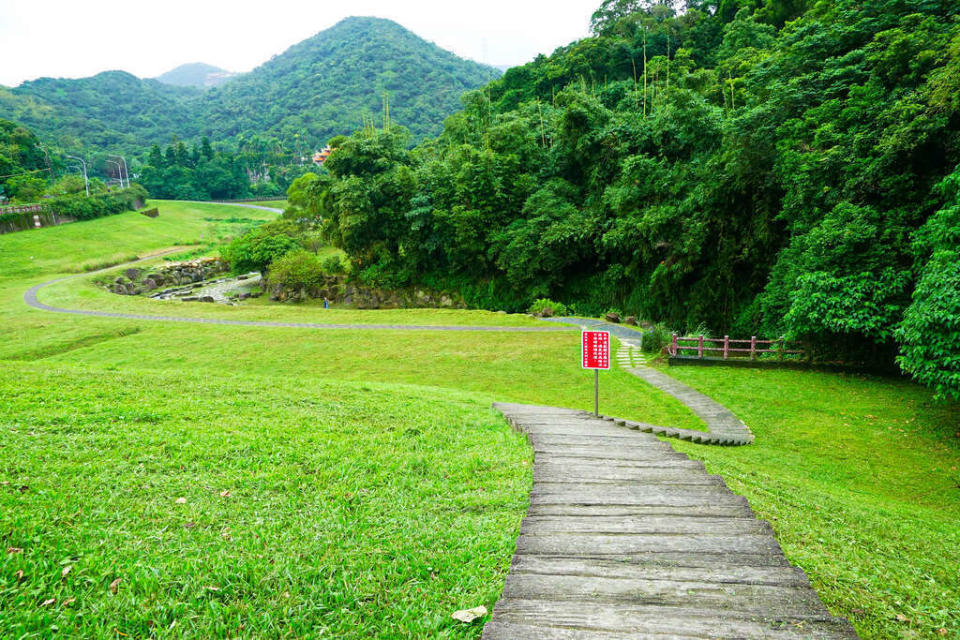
(753, 168)
(196, 74)
(295, 102)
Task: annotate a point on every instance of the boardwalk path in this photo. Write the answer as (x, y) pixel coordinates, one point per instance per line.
(626, 538)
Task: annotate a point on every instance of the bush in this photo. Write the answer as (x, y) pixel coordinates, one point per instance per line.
(297, 270)
(257, 249)
(333, 265)
(80, 207)
(547, 308)
(930, 332)
(656, 338)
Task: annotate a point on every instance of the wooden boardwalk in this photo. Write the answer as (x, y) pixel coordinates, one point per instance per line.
(626, 538)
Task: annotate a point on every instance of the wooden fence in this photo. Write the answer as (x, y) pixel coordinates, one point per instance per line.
(27, 208)
(726, 348)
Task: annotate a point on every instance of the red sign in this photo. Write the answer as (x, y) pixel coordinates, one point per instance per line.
(595, 350)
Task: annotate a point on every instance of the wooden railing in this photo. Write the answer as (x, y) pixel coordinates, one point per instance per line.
(727, 348)
(27, 208)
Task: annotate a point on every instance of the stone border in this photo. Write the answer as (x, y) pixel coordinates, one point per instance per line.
(723, 427)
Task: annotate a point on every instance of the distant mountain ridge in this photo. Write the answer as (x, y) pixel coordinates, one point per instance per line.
(318, 88)
(196, 74)
(323, 85)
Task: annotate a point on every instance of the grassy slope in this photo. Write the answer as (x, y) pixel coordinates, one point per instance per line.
(353, 510)
(860, 477)
(867, 509)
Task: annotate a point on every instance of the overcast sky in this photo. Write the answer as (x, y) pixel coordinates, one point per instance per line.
(72, 39)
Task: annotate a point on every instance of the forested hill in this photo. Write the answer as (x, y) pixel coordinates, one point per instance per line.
(752, 167)
(196, 74)
(318, 88)
(112, 111)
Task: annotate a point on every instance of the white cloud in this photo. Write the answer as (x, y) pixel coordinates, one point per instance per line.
(77, 39)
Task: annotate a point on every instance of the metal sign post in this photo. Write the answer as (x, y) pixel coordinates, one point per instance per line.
(595, 354)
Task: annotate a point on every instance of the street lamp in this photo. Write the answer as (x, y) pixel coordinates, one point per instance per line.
(86, 181)
(119, 170)
(125, 170)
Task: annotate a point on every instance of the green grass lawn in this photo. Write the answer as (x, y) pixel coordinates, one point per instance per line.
(229, 506)
(372, 490)
(860, 478)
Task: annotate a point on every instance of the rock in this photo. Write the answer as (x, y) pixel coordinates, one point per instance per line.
(501, 312)
(546, 312)
(243, 296)
(149, 285)
(190, 299)
(133, 274)
(207, 299)
(445, 301)
(120, 280)
(612, 317)
(255, 294)
(630, 320)
(469, 615)
(196, 285)
(242, 277)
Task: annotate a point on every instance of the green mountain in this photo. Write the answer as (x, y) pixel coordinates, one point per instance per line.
(296, 101)
(324, 85)
(196, 74)
(111, 111)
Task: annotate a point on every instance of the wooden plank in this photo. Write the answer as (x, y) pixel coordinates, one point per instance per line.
(611, 544)
(603, 567)
(672, 525)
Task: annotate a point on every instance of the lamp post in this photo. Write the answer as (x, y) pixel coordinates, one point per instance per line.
(119, 170)
(124, 171)
(86, 181)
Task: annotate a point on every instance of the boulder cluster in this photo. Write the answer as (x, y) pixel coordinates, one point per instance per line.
(338, 291)
(136, 281)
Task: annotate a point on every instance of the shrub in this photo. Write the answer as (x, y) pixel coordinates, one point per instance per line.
(930, 332)
(257, 249)
(297, 270)
(333, 265)
(547, 308)
(656, 338)
(79, 207)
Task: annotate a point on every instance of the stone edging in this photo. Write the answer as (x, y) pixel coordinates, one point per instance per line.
(723, 427)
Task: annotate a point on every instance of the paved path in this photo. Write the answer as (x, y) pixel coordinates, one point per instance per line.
(626, 538)
(723, 427)
(31, 299)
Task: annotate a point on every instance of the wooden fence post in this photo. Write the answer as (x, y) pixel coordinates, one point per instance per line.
(700, 346)
(676, 352)
(782, 347)
(753, 347)
(726, 347)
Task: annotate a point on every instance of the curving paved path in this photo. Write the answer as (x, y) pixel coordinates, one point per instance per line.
(723, 427)
(31, 299)
(626, 539)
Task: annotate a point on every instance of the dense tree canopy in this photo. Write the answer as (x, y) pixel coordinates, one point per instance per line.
(754, 166)
(22, 165)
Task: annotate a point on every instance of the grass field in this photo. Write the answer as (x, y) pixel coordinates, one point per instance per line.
(371, 489)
